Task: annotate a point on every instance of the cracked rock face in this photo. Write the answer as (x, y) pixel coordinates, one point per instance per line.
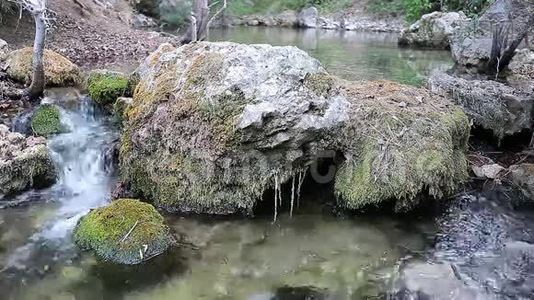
(24, 163)
(214, 125)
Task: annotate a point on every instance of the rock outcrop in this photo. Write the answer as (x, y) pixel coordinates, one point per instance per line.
(471, 46)
(490, 104)
(213, 126)
(24, 163)
(127, 231)
(434, 30)
(307, 17)
(59, 71)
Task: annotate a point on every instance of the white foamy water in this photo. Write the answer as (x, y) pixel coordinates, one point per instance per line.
(79, 154)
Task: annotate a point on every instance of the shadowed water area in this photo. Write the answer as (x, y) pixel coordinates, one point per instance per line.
(476, 246)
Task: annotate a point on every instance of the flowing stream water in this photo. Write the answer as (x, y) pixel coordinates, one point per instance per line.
(477, 247)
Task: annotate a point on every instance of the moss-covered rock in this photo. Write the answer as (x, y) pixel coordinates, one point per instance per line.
(105, 87)
(46, 120)
(59, 71)
(213, 126)
(24, 163)
(400, 142)
(127, 231)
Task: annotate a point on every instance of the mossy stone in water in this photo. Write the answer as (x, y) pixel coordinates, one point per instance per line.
(105, 87)
(127, 231)
(46, 120)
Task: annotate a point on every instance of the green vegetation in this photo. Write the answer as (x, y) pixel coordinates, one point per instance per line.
(127, 231)
(414, 9)
(46, 120)
(105, 87)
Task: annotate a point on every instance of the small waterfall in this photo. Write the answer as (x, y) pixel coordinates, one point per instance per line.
(84, 179)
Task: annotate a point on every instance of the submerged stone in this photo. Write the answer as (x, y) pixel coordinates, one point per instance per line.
(214, 125)
(59, 71)
(127, 231)
(46, 120)
(24, 163)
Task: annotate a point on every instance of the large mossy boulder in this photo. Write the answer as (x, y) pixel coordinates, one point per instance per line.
(105, 86)
(59, 71)
(213, 126)
(24, 163)
(127, 231)
(46, 120)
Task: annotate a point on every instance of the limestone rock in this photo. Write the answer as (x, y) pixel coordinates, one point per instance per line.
(288, 18)
(490, 104)
(214, 125)
(24, 163)
(434, 30)
(59, 71)
(307, 17)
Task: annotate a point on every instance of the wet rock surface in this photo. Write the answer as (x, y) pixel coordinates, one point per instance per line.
(484, 250)
(522, 176)
(24, 163)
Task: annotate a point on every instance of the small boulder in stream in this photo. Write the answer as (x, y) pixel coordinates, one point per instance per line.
(59, 71)
(46, 120)
(212, 126)
(105, 87)
(127, 231)
(307, 17)
(24, 163)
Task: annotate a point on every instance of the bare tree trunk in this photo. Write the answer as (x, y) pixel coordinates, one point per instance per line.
(200, 13)
(37, 85)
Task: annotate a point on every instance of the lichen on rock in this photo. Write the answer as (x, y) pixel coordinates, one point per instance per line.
(105, 86)
(24, 163)
(59, 71)
(213, 126)
(46, 120)
(127, 231)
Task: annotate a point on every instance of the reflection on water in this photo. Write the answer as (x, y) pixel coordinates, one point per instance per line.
(350, 54)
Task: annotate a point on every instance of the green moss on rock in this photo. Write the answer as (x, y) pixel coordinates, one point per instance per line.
(400, 148)
(127, 231)
(105, 87)
(59, 71)
(46, 120)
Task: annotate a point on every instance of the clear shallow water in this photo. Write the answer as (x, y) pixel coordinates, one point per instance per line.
(350, 54)
(477, 249)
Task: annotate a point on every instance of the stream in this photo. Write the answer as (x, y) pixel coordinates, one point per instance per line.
(477, 246)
